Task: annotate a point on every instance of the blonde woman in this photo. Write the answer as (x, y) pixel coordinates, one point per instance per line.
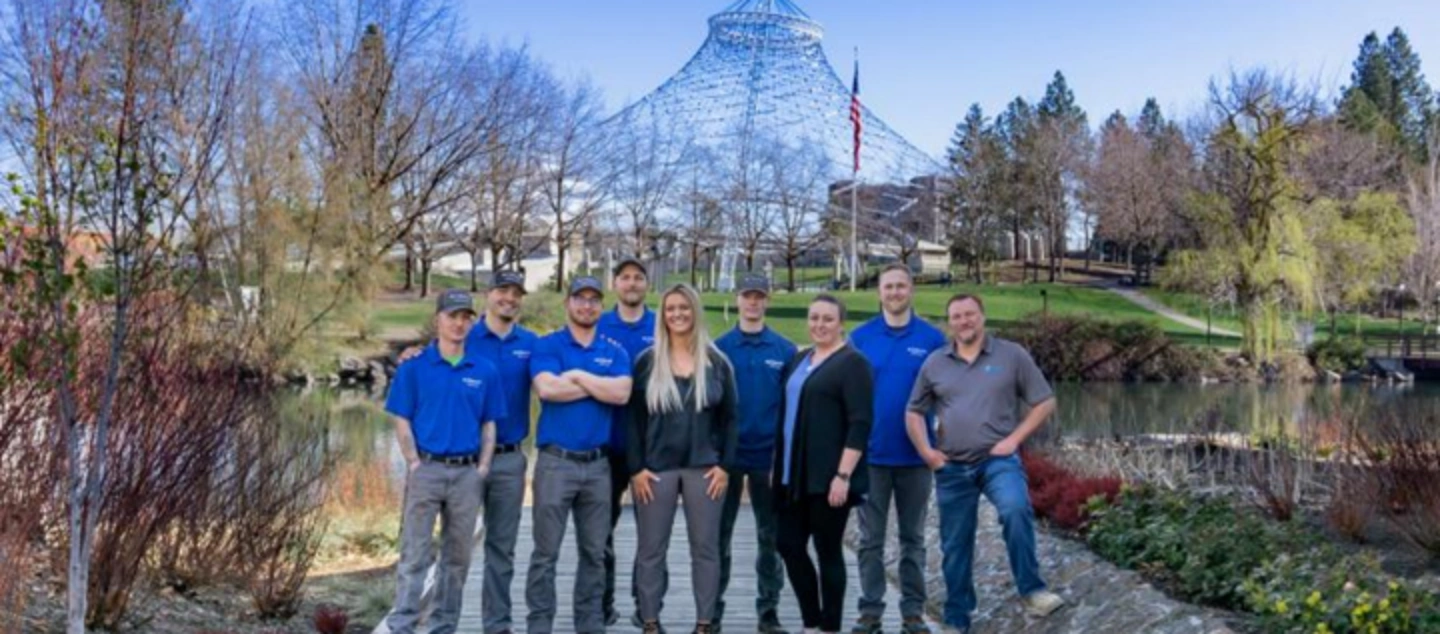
(682, 438)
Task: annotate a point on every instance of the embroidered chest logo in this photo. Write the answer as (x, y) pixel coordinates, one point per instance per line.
(774, 364)
(604, 362)
(648, 339)
(990, 369)
(917, 352)
(521, 354)
(472, 383)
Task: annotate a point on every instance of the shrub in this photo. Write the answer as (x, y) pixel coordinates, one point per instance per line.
(1078, 348)
(1209, 551)
(1406, 455)
(1062, 497)
(1189, 542)
(1319, 591)
(330, 619)
(1340, 355)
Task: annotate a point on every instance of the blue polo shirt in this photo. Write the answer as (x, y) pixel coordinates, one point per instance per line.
(584, 424)
(446, 404)
(634, 338)
(759, 360)
(896, 355)
(511, 355)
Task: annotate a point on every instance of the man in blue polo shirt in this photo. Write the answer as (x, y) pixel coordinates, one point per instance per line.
(499, 337)
(632, 325)
(896, 343)
(444, 405)
(581, 378)
(758, 355)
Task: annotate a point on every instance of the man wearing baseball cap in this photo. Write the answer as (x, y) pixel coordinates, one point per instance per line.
(499, 337)
(758, 355)
(444, 405)
(632, 325)
(582, 378)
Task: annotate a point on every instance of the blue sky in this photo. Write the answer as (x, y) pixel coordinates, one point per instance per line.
(924, 62)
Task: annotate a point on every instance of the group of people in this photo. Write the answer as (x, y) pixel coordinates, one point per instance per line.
(632, 400)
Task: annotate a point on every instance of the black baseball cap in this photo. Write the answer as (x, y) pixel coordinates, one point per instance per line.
(586, 283)
(754, 283)
(630, 261)
(508, 278)
(454, 299)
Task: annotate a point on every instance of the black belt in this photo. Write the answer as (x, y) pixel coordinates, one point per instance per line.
(452, 460)
(510, 448)
(576, 456)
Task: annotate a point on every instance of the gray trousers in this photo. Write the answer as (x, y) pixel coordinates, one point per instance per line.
(453, 494)
(561, 487)
(910, 487)
(654, 522)
(504, 494)
(769, 573)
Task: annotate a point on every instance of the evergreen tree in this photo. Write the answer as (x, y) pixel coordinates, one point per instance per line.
(1414, 100)
(1152, 123)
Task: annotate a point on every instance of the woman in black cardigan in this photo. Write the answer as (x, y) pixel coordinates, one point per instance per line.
(819, 461)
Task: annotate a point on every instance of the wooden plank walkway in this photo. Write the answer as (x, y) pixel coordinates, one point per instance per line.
(679, 613)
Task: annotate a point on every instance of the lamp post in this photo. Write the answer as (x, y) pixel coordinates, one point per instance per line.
(1400, 315)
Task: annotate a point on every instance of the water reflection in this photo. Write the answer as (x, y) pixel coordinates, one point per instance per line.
(1111, 410)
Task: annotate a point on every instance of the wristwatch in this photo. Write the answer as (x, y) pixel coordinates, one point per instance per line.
(844, 477)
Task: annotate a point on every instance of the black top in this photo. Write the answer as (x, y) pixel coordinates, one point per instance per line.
(686, 438)
(835, 413)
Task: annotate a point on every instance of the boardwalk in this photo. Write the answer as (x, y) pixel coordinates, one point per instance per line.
(679, 614)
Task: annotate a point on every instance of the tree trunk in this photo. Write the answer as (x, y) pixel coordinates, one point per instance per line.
(559, 255)
(424, 278)
(474, 274)
(409, 269)
(694, 261)
(790, 264)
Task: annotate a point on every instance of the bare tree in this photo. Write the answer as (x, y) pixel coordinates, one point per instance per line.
(699, 216)
(1123, 189)
(392, 95)
(575, 177)
(105, 109)
(650, 161)
(798, 178)
(1422, 197)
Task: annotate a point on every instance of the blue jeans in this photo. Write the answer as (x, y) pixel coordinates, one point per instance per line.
(957, 494)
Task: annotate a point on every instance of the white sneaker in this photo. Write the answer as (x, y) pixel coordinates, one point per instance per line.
(1042, 604)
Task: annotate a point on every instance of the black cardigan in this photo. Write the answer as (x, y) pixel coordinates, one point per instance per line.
(835, 414)
(684, 439)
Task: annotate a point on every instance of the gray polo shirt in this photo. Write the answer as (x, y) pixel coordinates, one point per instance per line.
(977, 405)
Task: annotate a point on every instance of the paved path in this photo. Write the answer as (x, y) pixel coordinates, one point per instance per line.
(679, 613)
(1149, 303)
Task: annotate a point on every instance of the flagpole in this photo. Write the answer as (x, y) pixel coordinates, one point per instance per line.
(855, 193)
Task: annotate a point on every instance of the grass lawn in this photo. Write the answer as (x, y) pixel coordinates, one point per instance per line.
(1004, 305)
(1226, 316)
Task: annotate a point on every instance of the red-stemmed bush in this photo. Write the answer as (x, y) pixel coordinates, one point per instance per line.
(1062, 497)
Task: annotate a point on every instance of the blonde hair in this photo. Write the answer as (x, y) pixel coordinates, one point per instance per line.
(661, 393)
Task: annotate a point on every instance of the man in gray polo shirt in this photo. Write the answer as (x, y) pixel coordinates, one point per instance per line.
(975, 388)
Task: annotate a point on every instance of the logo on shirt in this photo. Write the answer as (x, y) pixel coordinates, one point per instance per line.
(472, 383)
(650, 339)
(990, 369)
(774, 364)
(917, 352)
(604, 362)
(521, 354)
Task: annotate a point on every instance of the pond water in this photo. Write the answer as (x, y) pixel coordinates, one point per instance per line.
(364, 441)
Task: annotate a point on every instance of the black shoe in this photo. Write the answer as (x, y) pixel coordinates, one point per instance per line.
(611, 618)
(651, 627)
(770, 624)
(866, 625)
(705, 628)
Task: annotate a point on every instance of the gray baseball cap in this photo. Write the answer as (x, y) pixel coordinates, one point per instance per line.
(586, 283)
(508, 278)
(753, 283)
(454, 299)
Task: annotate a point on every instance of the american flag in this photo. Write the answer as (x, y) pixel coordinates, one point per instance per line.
(855, 117)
